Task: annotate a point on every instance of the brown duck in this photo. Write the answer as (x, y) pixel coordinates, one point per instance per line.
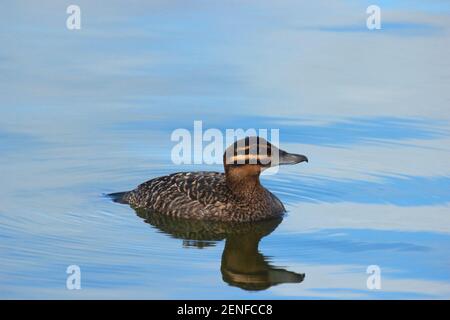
(236, 195)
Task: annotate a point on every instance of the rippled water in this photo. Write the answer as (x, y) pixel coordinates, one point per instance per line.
(89, 112)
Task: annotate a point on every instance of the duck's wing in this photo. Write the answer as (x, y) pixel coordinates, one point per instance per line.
(180, 192)
(204, 187)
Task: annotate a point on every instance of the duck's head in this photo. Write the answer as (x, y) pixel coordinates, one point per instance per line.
(251, 155)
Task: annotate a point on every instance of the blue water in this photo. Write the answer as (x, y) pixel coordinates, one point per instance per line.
(88, 112)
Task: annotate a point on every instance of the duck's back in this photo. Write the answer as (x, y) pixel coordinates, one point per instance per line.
(185, 194)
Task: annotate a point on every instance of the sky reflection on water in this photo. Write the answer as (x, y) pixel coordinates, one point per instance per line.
(87, 113)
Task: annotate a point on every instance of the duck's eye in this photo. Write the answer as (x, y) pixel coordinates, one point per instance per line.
(264, 160)
(266, 164)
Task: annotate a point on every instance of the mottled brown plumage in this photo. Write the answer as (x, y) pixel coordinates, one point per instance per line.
(236, 195)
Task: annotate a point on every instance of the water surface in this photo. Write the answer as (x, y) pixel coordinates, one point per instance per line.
(89, 112)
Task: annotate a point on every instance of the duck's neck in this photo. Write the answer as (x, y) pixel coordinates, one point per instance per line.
(243, 181)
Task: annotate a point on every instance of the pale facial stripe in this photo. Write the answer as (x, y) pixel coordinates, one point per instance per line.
(252, 158)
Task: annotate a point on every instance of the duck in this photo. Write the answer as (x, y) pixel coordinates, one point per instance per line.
(236, 195)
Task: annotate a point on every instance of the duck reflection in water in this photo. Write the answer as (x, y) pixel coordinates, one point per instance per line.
(242, 264)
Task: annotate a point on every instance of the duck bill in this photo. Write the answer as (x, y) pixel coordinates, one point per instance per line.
(291, 158)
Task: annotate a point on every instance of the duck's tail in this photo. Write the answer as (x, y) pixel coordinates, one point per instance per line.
(119, 197)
